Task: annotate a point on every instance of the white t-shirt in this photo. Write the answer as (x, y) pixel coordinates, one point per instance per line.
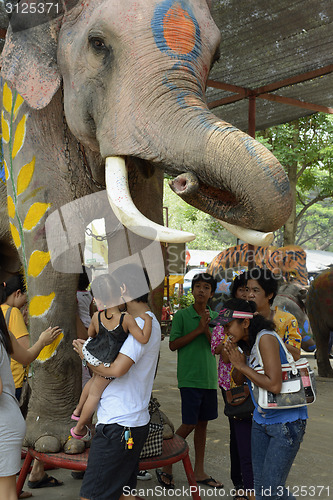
(125, 400)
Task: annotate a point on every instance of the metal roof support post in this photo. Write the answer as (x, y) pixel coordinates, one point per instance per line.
(252, 133)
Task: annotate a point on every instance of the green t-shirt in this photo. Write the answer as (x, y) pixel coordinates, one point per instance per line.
(196, 366)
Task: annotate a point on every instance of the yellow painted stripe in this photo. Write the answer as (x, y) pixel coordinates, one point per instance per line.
(11, 207)
(6, 170)
(50, 350)
(19, 136)
(5, 128)
(7, 98)
(19, 101)
(40, 304)
(15, 235)
(25, 175)
(34, 215)
(37, 262)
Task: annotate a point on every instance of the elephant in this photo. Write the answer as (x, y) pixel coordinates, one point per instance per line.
(291, 297)
(319, 303)
(98, 102)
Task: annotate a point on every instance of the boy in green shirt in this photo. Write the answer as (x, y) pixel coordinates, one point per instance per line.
(197, 375)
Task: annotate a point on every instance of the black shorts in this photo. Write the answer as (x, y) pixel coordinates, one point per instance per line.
(198, 404)
(111, 465)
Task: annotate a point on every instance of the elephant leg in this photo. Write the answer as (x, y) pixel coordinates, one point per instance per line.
(322, 340)
(56, 373)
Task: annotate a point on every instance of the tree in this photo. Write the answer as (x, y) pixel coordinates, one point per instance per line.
(210, 235)
(305, 149)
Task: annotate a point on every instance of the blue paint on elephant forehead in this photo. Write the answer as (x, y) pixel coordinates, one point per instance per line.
(157, 26)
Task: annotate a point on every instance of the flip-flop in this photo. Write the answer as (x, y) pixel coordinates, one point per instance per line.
(75, 417)
(160, 474)
(45, 482)
(85, 438)
(208, 480)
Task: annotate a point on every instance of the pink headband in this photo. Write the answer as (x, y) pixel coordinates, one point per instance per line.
(242, 314)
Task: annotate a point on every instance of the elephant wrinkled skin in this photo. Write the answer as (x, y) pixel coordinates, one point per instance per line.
(123, 79)
(319, 303)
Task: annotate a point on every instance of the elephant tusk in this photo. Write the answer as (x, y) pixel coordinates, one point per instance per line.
(249, 235)
(120, 199)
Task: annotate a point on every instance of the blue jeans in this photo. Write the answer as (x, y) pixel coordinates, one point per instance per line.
(274, 448)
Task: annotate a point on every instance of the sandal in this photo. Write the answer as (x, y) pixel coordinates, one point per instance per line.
(160, 475)
(85, 438)
(208, 480)
(45, 482)
(75, 417)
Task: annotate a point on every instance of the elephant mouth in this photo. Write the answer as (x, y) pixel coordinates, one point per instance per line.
(188, 187)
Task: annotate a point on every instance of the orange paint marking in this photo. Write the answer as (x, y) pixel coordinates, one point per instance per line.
(179, 30)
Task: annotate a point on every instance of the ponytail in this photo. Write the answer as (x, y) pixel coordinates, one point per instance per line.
(4, 334)
(10, 286)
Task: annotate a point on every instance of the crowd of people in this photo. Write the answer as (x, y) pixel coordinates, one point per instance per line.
(119, 344)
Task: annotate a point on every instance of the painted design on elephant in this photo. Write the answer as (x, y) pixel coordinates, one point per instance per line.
(13, 134)
(176, 30)
(290, 260)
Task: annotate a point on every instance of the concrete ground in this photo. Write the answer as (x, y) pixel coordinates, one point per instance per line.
(311, 474)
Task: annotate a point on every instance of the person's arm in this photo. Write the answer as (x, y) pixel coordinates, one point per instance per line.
(118, 368)
(81, 330)
(24, 341)
(237, 376)
(141, 335)
(271, 380)
(1, 386)
(184, 340)
(26, 356)
(294, 351)
(93, 327)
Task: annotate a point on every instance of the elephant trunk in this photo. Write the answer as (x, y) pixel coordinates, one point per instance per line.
(233, 176)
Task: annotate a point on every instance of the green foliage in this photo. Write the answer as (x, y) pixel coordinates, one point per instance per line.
(304, 147)
(182, 301)
(210, 235)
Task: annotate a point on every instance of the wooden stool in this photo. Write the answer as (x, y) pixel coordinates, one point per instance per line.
(174, 450)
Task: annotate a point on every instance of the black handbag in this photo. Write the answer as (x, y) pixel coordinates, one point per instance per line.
(238, 402)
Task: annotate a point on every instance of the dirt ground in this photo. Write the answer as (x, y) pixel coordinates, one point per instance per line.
(311, 474)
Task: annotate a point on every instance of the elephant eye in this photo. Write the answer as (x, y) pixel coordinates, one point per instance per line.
(97, 43)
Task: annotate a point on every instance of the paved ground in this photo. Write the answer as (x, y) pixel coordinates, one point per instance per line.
(311, 475)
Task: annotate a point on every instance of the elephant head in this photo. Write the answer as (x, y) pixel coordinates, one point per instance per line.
(134, 75)
(120, 83)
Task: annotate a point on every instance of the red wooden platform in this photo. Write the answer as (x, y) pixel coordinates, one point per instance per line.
(174, 450)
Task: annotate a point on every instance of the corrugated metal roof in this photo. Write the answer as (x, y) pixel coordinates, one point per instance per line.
(265, 42)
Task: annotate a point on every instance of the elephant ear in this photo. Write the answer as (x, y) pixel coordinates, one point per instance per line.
(29, 63)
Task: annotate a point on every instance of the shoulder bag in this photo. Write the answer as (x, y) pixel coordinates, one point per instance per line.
(154, 442)
(298, 384)
(238, 402)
